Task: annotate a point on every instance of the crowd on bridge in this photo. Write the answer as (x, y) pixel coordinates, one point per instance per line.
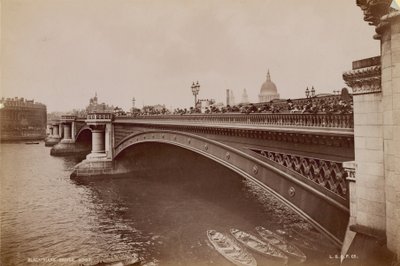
(332, 105)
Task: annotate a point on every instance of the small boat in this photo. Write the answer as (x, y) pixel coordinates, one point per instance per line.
(258, 245)
(280, 243)
(230, 249)
(30, 143)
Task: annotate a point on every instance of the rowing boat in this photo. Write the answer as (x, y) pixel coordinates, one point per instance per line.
(258, 245)
(280, 243)
(230, 249)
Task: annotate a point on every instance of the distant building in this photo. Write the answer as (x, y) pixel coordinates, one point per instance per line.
(133, 103)
(268, 91)
(22, 119)
(231, 98)
(245, 97)
(94, 106)
(134, 110)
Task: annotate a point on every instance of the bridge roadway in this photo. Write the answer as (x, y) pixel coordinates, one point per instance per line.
(297, 157)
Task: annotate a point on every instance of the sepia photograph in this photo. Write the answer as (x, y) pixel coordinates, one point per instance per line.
(199, 132)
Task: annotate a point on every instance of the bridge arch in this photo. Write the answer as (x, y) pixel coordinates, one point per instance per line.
(309, 202)
(84, 135)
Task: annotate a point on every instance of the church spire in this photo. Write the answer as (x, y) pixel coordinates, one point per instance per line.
(268, 76)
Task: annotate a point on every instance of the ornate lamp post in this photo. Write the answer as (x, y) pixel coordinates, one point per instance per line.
(307, 93)
(195, 90)
(312, 91)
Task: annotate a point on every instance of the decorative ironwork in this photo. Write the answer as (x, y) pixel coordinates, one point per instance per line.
(292, 192)
(344, 139)
(328, 174)
(255, 169)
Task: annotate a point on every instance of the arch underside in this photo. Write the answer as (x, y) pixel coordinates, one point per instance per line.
(313, 204)
(84, 134)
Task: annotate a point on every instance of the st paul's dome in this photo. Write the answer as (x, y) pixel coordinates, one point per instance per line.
(268, 90)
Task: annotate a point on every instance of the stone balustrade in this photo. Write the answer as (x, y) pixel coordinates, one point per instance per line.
(99, 116)
(68, 117)
(337, 121)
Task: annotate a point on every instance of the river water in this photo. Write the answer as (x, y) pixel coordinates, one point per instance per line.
(160, 214)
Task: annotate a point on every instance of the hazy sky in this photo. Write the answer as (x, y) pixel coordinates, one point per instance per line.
(60, 52)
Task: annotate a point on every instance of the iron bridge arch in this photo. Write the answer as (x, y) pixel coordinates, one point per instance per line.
(324, 213)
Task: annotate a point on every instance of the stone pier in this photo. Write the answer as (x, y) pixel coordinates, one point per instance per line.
(100, 160)
(54, 136)
(68, 144)
(375, 192)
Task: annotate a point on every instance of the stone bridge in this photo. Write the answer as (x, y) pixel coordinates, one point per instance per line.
(297, 157)
(64, 134)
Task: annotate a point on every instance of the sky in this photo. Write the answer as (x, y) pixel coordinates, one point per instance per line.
(61, 52)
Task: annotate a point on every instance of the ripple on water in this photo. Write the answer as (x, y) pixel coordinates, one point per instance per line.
(160, 215)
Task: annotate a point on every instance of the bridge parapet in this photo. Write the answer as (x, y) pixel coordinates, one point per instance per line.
(99, 117)
(67, 122)
(335, 121)
(68, 118)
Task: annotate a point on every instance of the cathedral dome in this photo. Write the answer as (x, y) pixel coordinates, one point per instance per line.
(268, 91)
(268, 87)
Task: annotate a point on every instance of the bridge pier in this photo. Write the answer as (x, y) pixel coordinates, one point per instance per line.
(67, 145)
(376, 93)
(100, 160)
(54, 137)
(60, 130)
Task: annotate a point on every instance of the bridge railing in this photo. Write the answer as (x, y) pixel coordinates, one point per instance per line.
(344, 121)
(99, 116)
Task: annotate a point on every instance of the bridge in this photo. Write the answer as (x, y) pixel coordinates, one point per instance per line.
(328, 168)
(297, 157)
(65, 135)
